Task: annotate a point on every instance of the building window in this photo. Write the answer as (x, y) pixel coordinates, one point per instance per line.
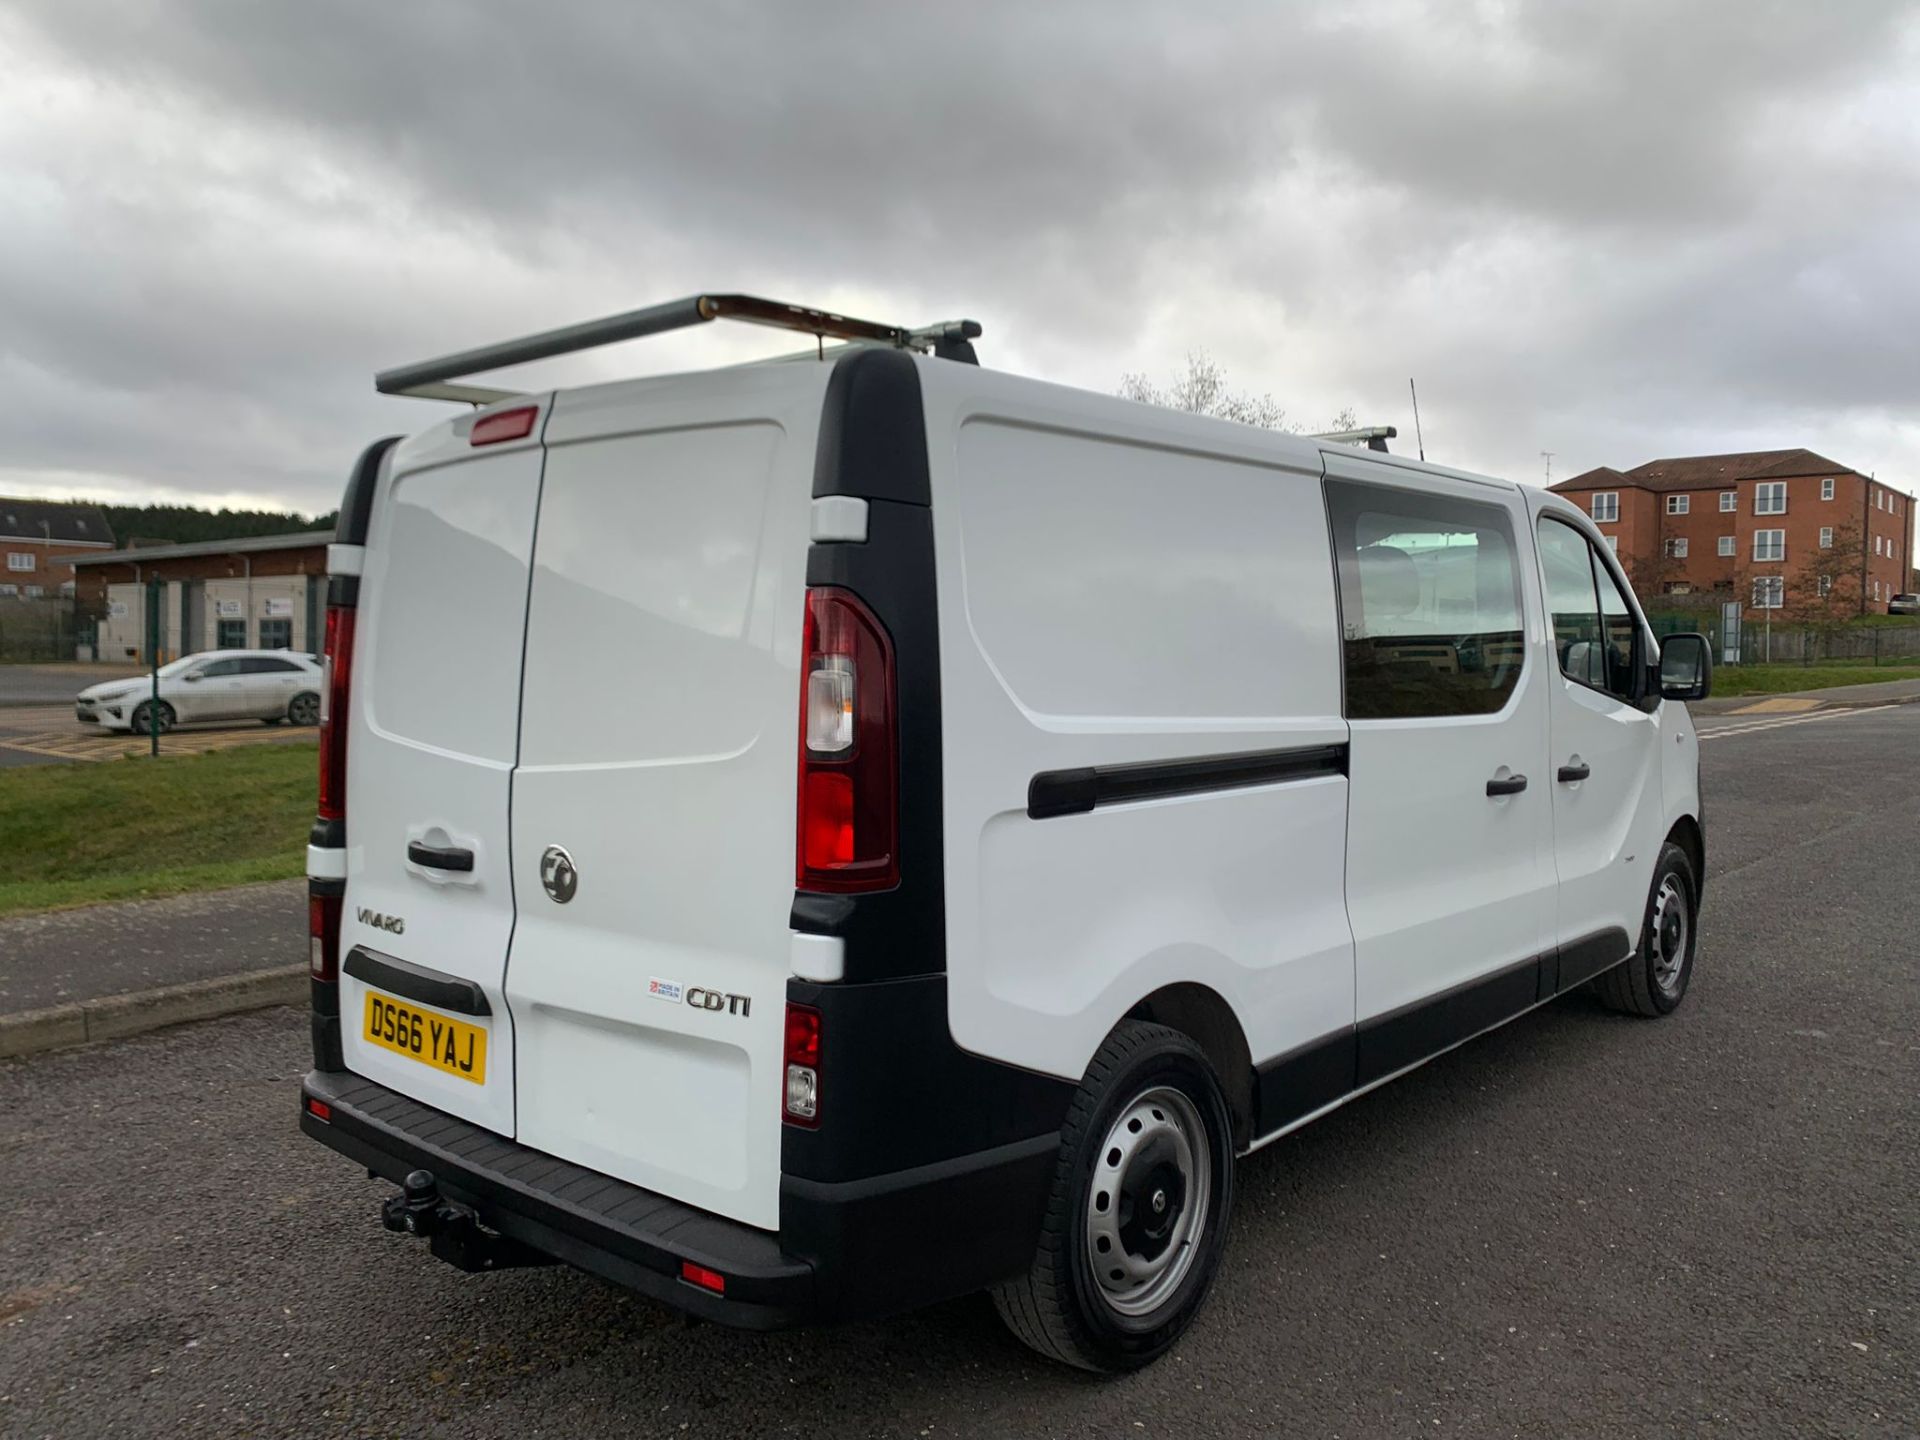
(230, 635)
(1677, 548)
(1678, 587)
(18, 561)
(1826, 488)
(1826, 537)
(34, 592)
(1767, 592)
(9, 591)
(1729, 501)
(276, 634)
(1879, 499)
(1770, 498)
(1679, 504)
(1429, 602)
(1876, 545)
(1769, 544)
(1613, 543)
(1826, 586)
(1606, 506)
(1726, 545)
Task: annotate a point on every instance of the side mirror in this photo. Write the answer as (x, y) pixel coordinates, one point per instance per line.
(191, 678)
(1686, 667)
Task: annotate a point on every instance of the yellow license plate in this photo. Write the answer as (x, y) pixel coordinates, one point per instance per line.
(427, 1036)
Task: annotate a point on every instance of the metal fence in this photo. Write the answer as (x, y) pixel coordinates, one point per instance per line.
(43, 630)
(1741, 635)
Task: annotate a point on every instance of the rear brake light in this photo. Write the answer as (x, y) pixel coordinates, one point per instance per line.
(334, 692)
(802, 1054)
(848, 809)
(706, 1279)
(323, 937)
(515, 424)
(320, 1110)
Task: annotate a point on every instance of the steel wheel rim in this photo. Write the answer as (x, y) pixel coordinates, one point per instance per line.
(1148, 1203)
(1670, 931)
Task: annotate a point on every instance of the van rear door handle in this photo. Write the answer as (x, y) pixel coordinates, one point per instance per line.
(1512, 785)
(439, 857)
(1570, 773)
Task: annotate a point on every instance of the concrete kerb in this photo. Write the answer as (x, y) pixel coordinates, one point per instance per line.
(113, 1017)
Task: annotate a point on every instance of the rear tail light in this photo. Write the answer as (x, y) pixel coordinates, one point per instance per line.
(803, 1066)
(323, 937)
(320, 1110)
(848, 811)
(334, 692)
(706, 1279)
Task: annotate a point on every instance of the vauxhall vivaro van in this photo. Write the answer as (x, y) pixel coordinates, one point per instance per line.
(808, 839)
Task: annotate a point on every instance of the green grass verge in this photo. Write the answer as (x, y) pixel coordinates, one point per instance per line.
(1775, 679)
(125, 829)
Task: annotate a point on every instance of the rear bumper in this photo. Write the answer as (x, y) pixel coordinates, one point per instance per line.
(614, 1230)
(867, 1246)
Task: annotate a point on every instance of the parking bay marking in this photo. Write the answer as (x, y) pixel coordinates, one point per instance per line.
(1781, 722)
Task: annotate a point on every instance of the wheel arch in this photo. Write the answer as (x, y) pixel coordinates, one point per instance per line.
(1687, 833)
(1203, 1015)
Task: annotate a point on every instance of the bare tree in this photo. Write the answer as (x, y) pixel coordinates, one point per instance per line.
(1201, 389)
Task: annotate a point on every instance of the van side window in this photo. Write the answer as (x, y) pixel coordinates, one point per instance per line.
(1594, 633)
(1429, 602)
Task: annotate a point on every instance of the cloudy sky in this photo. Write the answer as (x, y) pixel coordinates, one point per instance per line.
(1613, 231)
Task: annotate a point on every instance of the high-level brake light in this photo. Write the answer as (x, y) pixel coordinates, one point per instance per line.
(514, 424)
(848, 809)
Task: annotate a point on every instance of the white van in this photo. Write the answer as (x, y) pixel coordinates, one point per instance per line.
(813, 838)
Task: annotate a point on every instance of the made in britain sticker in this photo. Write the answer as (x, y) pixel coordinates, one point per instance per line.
(664, 989)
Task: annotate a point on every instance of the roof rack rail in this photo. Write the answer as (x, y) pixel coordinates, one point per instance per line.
(428, 379)
(1375, 436)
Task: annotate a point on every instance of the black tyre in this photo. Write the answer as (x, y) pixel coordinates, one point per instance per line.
(1654, 979)
(1138, 1214)
(141, 717)
(304, 709)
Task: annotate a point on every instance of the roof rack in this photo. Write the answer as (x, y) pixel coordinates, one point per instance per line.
(1375, 436)
(428, 379)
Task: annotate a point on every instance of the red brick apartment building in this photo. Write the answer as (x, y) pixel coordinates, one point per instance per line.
(38, 542)
(1782, 528)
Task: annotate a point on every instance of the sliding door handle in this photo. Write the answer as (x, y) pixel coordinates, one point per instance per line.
(1571, 773)
(1512, 785)
(439, 857)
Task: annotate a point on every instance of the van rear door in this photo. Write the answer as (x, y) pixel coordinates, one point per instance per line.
(658, 740)
(435, 708)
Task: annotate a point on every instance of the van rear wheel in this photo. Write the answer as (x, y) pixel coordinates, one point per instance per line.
(1654, 979)
(1138, 1214)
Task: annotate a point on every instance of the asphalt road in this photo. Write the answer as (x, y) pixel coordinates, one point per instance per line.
(1581, 1225)
(70, 955)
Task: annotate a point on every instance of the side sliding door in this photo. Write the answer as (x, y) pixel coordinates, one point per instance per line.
(1450, 878)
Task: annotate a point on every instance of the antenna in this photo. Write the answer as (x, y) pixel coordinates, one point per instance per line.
(1547, 455)
(1419, 439)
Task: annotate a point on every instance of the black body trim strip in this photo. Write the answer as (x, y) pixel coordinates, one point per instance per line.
(1303, 1081)
(1075, 792)
(1392, 1042)
(1583, 959)
(356, 506)
(416, 982)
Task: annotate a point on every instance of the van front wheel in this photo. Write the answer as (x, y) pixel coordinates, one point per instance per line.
(1138, 1214)
(1653, 981)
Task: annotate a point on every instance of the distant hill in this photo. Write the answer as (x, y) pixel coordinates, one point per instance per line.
(187, 524)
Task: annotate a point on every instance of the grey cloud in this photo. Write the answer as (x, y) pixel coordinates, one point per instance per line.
(1586, 216)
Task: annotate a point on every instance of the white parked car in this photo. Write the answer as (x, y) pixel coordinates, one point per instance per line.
(1000, 807)
(269, 685)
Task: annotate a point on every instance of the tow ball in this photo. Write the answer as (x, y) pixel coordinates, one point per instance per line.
(452, 1231)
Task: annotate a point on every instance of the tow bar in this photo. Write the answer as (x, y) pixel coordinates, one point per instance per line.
(452, 1231)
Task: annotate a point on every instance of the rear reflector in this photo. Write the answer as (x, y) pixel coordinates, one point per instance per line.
(706, 1279)
(323, 937)
(320, 1110)
(515, 424)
